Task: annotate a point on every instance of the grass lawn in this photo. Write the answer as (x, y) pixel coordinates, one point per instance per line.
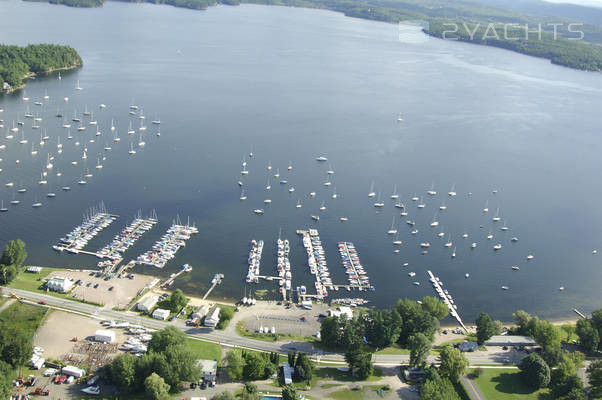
(205, 350)
(335, 374)
(366, 392)
(22, 317)
(330, 385)
(395, 349)
(503, 384)
(268, 337)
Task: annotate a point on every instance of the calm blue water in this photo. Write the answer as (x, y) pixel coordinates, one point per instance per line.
(293, 84)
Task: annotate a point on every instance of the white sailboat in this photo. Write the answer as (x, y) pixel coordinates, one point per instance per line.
(379, 203)
(486, 208)
(431, 191)
(323, 206)
(132, 151)
(393, 230)
(452, 191)
(395, 195)
(78, 87)
(371, 192)
(242, 195)
(497, 218)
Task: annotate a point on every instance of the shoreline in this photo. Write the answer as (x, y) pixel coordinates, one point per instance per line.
(34, 75)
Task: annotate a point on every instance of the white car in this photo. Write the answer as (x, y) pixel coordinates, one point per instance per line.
(50, 372)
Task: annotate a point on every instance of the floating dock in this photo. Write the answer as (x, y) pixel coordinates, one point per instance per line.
(217, 280)
(169, 281)
(126, 239)
(447, 299)
(165, 248)
(78, 238)
(353, 268)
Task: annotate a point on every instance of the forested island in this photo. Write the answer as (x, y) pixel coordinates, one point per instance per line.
(583, 54)
(18, 63)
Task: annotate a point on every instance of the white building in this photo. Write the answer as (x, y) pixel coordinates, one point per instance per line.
(213, 318)
(344, 312)
(200, 312)
(147, 303)
(104, 336)
(59, 284)
(209, 369)
(287, 371)
(34, 270)
(510, 340)
(73, 371)
(161, 313)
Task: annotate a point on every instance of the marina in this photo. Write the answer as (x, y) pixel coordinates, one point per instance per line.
(166, 248)
(127, 237)
(316, 261)
(353, 268)
(254, 261)
(446, 298)
(92, 225)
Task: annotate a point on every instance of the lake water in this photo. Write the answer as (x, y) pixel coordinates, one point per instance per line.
(293, 84)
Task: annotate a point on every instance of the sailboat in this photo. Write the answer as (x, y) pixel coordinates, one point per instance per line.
(42, 180)
(98, 133)
(421, 204)
(86, 112)
(49, 164)
(116, 139)
(497, 216)
(371, 192)
(449, 242)
(432, 191)
(112, 125)
(242, 195)
(435, 223)
(141, 143)
(323, 206)
(46, 97)
(77, 87)
(395, 196)
(244, 171)
(452, 191)
(132, 151)
(23, 140)
(397, 242)
(490, 235)
(277, 174)
(334, 193)
(379, 203)
(75, 117)
(33, 150)
(130, 130)
(81, 128)
(486, 209)
(443, 207)
(392, 231)
(298, 203)
(399, 118)
(36, 204)
(2, 208)
(454, 253)
(92, 120)
(268, 186)
(98, 164)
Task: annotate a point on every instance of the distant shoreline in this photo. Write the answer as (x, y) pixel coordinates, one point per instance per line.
(34, 75)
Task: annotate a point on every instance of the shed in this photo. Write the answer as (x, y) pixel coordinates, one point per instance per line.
(200, 312)
(209, 369)
(161, 313)
(510, 340)
(147, 303)
(287, 371)
(213, 318)
(468, 346)
(73, 371)
(413, 375)
(105, 336)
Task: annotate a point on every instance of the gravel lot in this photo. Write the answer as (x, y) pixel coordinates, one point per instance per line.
(124, 289)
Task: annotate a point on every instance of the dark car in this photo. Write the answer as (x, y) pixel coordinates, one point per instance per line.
(203, 385)
(111, 288)
(505, 348)
(95, 286)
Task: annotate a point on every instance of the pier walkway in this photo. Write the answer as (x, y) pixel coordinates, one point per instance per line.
(447, 299)
(217, 279)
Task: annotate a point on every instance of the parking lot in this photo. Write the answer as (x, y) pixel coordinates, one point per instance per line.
(116, 292)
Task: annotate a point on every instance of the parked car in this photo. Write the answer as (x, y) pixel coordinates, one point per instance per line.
(95, 286)
(42, 303)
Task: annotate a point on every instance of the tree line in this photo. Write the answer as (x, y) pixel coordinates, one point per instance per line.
(11, 262)
(18, 62)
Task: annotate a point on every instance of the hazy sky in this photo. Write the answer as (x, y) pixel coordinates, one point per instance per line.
(595, 3)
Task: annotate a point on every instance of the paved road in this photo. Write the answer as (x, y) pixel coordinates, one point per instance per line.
(225, 338)
(471, 387)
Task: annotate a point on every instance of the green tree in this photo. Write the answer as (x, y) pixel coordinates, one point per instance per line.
(498, 327)
(181, 365)
(453, 363)
(485, 328)
(330, 332)
(250, 392)
(364, 367)
(223, 396)
(568, 387)
(291, 357)
(595, 379)
(155, 388)
(17, 347)
(122, 371)
(166, 337)
(435, 307)
(438, 389)
(534, 371)
(546, 334)
(381, 328)
(552, 355)
(6, 386)
(522, 318)
(588, 335)
(289, 393)
(303, 368)
(254, 367)
(597, 323)
(225, 315)
(415, 320)
(419, 346)
(235, 364)
(569, 329)
(7, 273)
(14, 253)
(175, 302)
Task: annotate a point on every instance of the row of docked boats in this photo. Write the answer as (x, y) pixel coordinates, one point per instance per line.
(166, 248)
(127, 237)
(351, 302)
(283, 264)
(356, 274)
(254, 261)
(317, 261)
(79, 237)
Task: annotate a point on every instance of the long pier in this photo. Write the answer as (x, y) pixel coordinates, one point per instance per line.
(347, 252)
(217, 279)
(447, 299)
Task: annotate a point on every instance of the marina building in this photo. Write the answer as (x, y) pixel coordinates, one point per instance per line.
(287, 371)
(104, 336)
(59, 284)
(213, 318)
(209, 369)
(147, 303)
(510, 340)
(161, 313)
(200, 312)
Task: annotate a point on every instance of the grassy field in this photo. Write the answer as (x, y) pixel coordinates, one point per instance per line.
(366, 392)
(395, 349)
(22, 317)
(205, 350)
(335, 374)
(268, 337)
(503, 384)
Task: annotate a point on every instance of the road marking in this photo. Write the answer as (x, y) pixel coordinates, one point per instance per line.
(474, 389)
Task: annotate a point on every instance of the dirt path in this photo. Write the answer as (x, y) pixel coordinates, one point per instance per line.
(7, 304)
